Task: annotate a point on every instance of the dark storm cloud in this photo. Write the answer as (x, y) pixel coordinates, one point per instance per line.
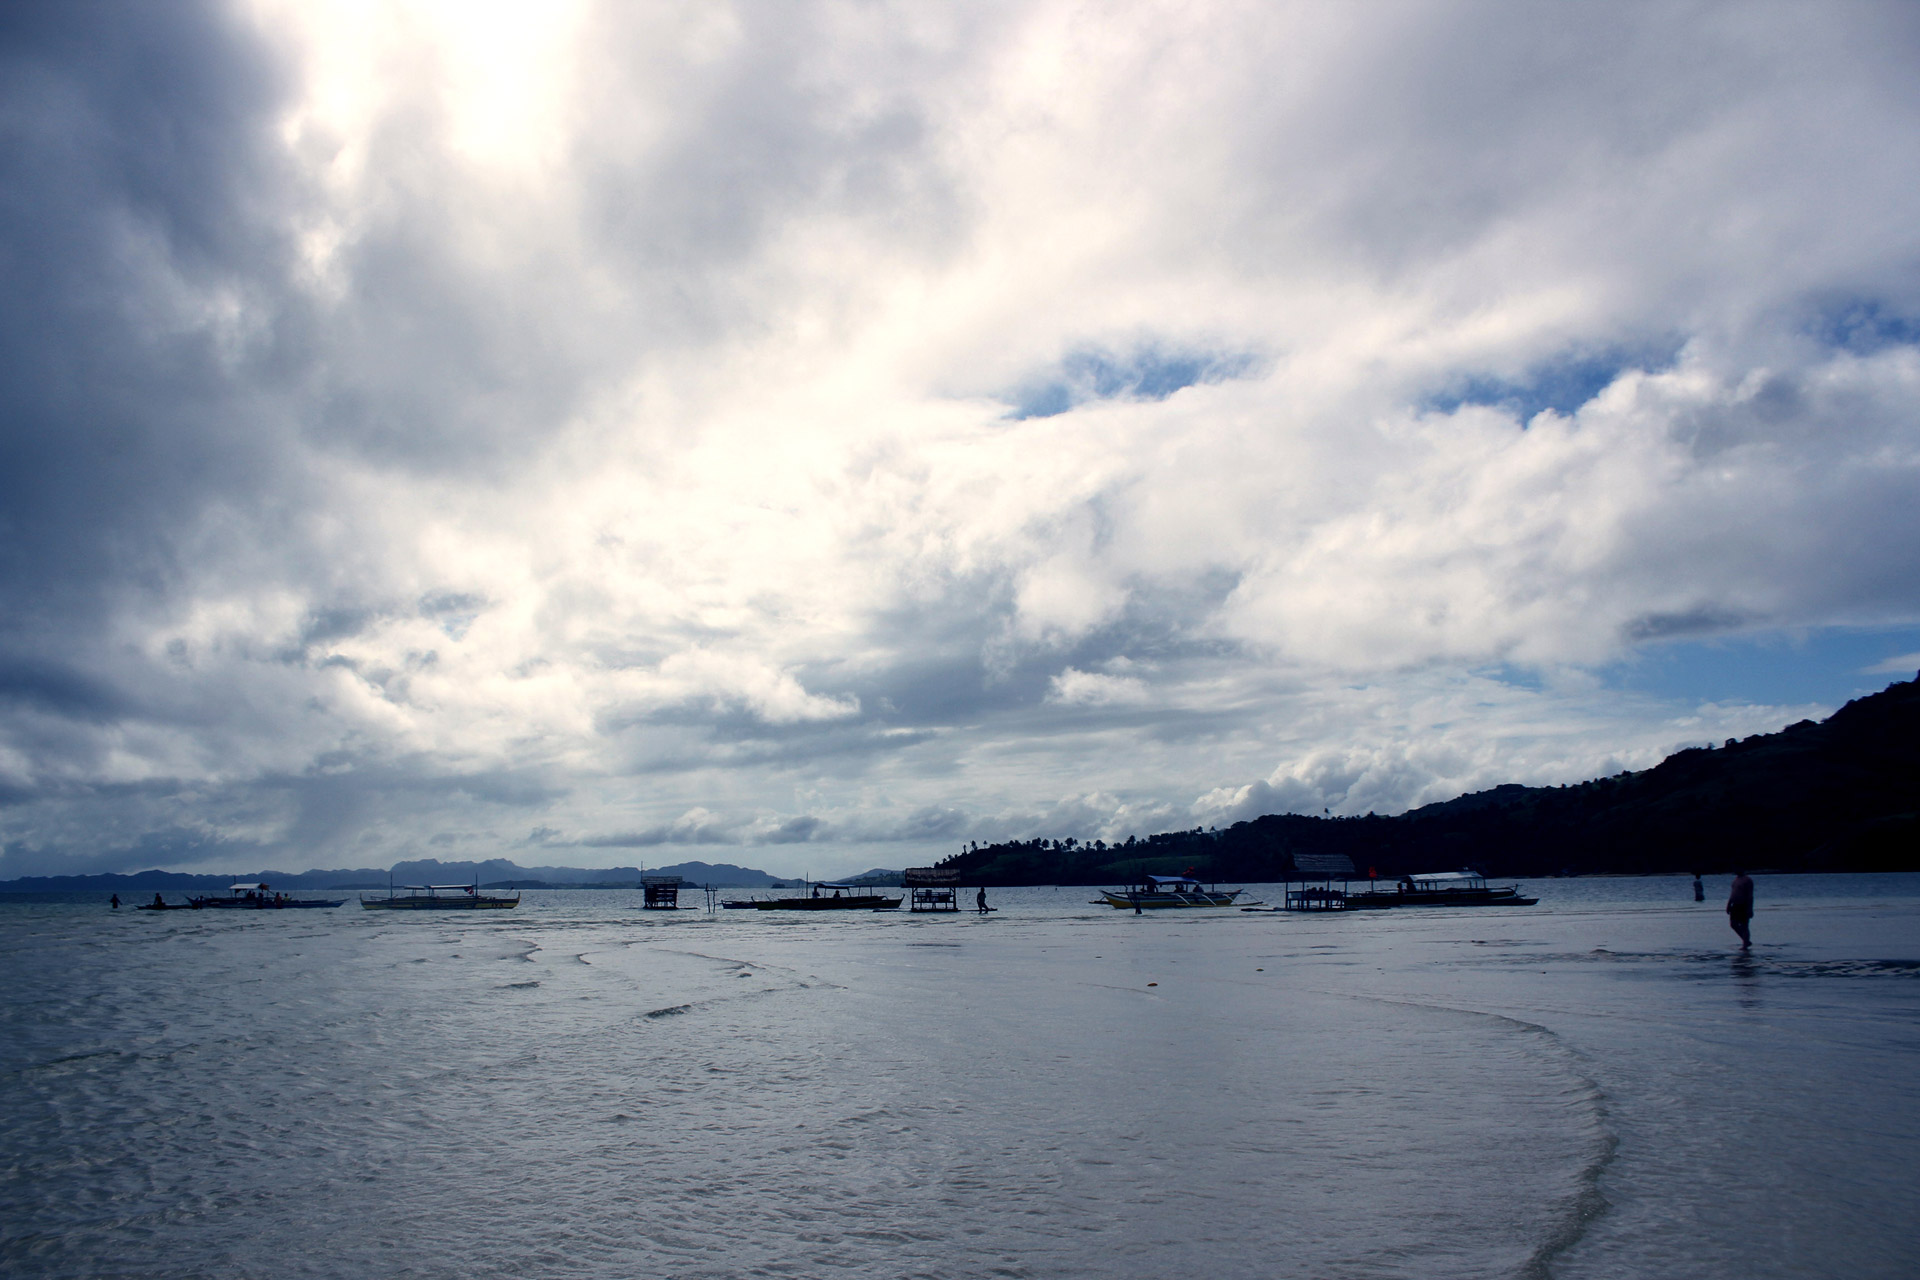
(60, 690)
(702, 829)
(156, 849)
(316, 816)
(1703, 621)
(137, 181)
(795, 830)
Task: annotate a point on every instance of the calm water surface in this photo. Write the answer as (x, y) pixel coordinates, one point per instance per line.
(1598, 1086)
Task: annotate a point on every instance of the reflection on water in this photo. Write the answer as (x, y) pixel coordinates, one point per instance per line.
(1746, 978)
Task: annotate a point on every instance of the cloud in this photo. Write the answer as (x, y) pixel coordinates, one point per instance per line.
(858, 426)
(1144, 374)
(694, 827)
(1895, 666)
(1094, 689)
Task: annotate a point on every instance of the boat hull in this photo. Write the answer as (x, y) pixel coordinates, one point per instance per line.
(864, 902)
(1440, 898)
(1165, 901)
(439, 904)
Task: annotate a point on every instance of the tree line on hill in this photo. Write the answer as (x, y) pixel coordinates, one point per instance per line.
(1839, 795)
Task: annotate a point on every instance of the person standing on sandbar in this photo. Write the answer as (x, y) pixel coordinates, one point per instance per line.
(1740, 907)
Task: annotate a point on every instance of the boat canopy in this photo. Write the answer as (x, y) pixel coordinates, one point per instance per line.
(1449, 876)
(1163, 880)
(241, 888)
(854, 888)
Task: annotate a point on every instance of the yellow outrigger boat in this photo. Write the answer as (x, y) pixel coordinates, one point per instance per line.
(1157, 892)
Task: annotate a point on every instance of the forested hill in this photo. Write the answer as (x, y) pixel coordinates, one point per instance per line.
(1840, 795)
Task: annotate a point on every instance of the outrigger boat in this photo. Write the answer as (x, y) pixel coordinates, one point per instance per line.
(440, 897)
(1441, 889)
(160, 904)
(843, 897)
(259, 897)
(1156, 892)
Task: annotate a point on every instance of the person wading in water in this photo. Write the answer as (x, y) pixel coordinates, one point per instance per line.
(1740, 907)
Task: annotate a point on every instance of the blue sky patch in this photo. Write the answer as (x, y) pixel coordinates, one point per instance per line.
(1864, 326)
(1561, 384)
(1828, 666)
(1147, 373)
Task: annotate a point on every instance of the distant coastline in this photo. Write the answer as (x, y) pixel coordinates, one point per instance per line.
(495, 873)
(1839, 795)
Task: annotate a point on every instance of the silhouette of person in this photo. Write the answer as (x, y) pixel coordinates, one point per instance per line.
(157, 902)
(980, 900)
(1740, 907)
(116, 902)
(1699, 890)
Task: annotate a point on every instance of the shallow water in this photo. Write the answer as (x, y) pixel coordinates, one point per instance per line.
(1593, 1087)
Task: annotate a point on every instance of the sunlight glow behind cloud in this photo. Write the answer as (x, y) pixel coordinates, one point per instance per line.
(873, 427)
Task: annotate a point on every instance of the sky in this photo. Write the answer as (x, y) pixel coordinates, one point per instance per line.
(814, 436)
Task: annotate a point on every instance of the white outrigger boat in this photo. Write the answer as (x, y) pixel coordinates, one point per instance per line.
(1157, 892)
(256, 897)
(440, 897)
(1441, 889)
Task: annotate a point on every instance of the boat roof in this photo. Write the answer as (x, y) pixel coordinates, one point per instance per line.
(1171, 880)
(1446, 875)
(824, 885)
(235, 888)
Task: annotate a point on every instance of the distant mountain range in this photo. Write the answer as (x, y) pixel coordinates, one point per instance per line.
(1840, 795)
(493, 873)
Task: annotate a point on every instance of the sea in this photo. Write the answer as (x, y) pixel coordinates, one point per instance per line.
(1602, 1085)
